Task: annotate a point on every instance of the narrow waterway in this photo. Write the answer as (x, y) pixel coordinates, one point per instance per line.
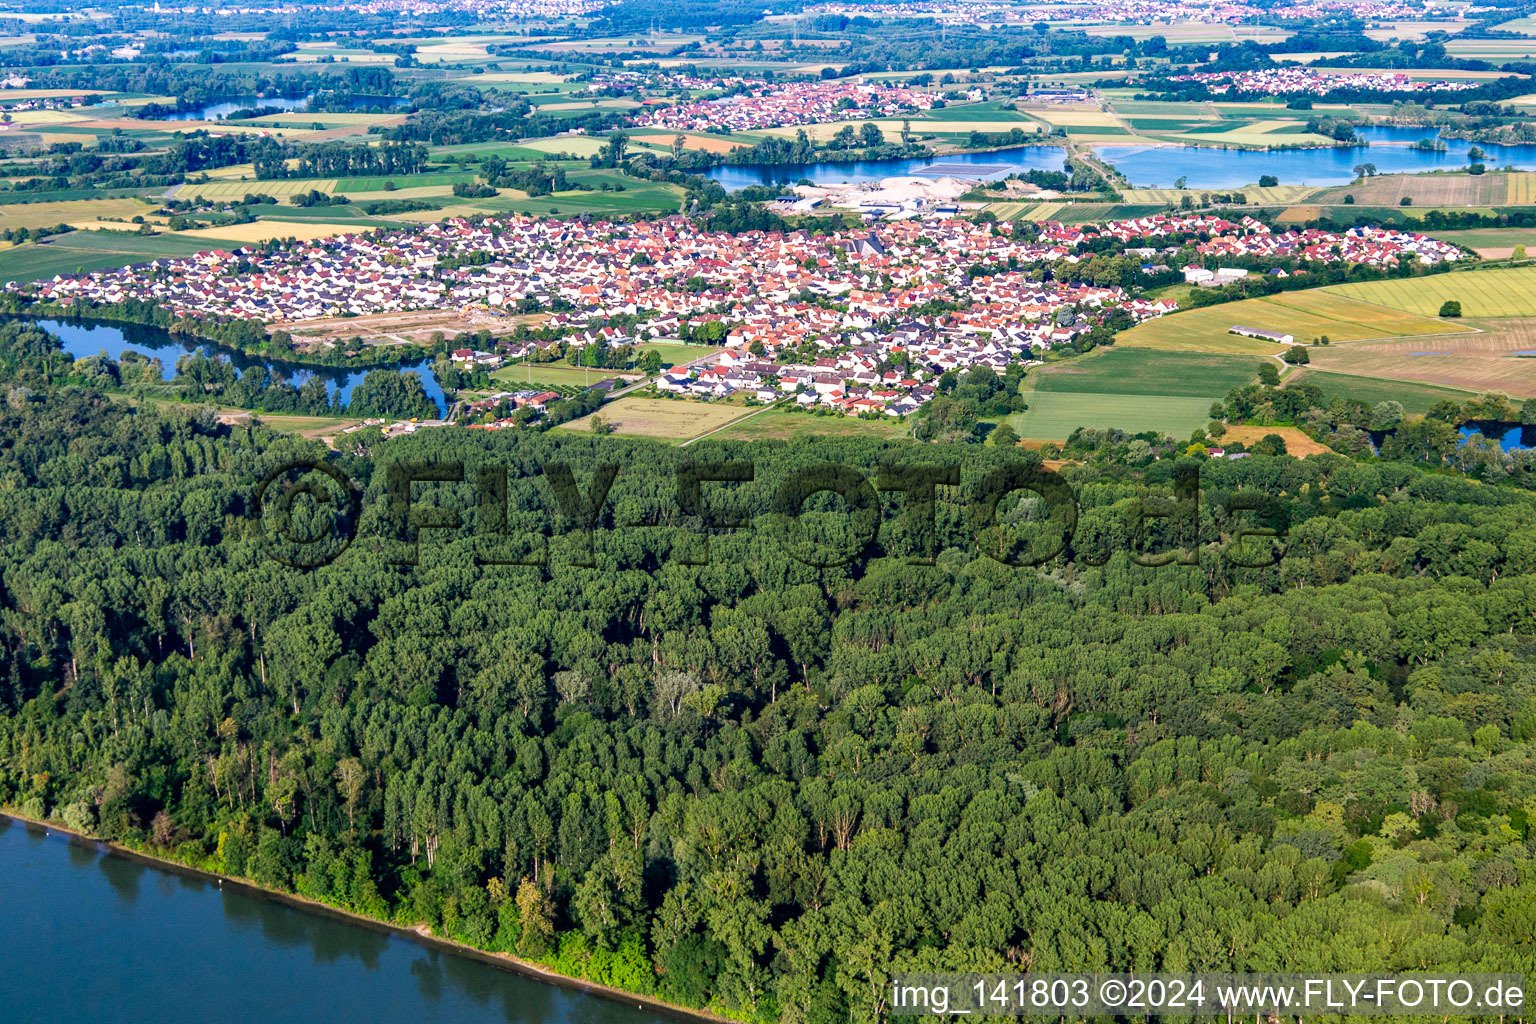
(91, 936)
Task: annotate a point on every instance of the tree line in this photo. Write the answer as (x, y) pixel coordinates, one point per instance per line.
(707, 770)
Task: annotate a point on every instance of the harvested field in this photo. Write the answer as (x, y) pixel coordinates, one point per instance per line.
(1476, 362)
(576, 145)
(704, 143)
(1079, 118)
(1427, 190)
(1296, 443)
(667, 419)
(238, 189)
(84, 211)
(785, 425)
(1299, 214)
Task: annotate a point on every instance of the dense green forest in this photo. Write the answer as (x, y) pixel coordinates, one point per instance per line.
(707, 770)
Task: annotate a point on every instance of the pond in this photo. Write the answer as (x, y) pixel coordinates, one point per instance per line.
(92, 936)
(1390, 150)
(1509, 435)
(996, 164)
(84, 338)
(223, 108)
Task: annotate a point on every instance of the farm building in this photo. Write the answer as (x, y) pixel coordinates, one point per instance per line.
(1262, 335)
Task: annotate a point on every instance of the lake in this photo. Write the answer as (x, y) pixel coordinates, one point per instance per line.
(996, 164)
(222, 109)
(1389, 150)
(91, 936)
(82, 339)
(1509, 435)
(1160, 166)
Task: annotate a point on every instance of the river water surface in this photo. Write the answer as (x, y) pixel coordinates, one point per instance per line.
(90, 936)
(85, 338)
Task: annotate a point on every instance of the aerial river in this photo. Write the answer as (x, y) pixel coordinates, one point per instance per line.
(1159, 166)
(91, 936)
(83, 338)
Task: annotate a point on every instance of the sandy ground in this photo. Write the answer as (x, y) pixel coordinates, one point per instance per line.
(887, 190)
(404, 328)
(1296, 442)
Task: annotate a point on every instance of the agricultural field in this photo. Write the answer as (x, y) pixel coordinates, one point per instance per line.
(1491, 243)
(1447, 190)
(575, 145)
(638, 196)
(1296, 442)
(1305, 315)
(1077, 117)
(1053, 416)
(992, 110)
(1492, 49)
(266, 230)
(667, 419)
(1191, 32)
(239, 189)
(86, 251)
(1499, 292)
(1486, 361)
(39, 215)
(1132, 389)
(1416, 399)
(550, 374)
(1252, 133)
(788, 424)
(1123, 371)
(673, 354)
(1274, 195)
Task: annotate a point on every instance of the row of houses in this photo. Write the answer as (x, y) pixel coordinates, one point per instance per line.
(765, 105)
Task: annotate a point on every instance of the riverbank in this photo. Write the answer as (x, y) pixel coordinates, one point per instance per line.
(372, 357)
(419, 934)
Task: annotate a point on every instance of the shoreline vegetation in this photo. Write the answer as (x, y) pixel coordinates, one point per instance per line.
(250, 338)
(420, 933)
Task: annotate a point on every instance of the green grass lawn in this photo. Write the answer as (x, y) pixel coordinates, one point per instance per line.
(1500, 292)
(992, 110)
(1490, 238)
(786, 424)
(672, 354)
(1132, 389)
(92, 250)
(1052, 416)
(505, 150)
(637, 196)
(1415, 398)
(376, 184)
(1120, 371)
(552, 374)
